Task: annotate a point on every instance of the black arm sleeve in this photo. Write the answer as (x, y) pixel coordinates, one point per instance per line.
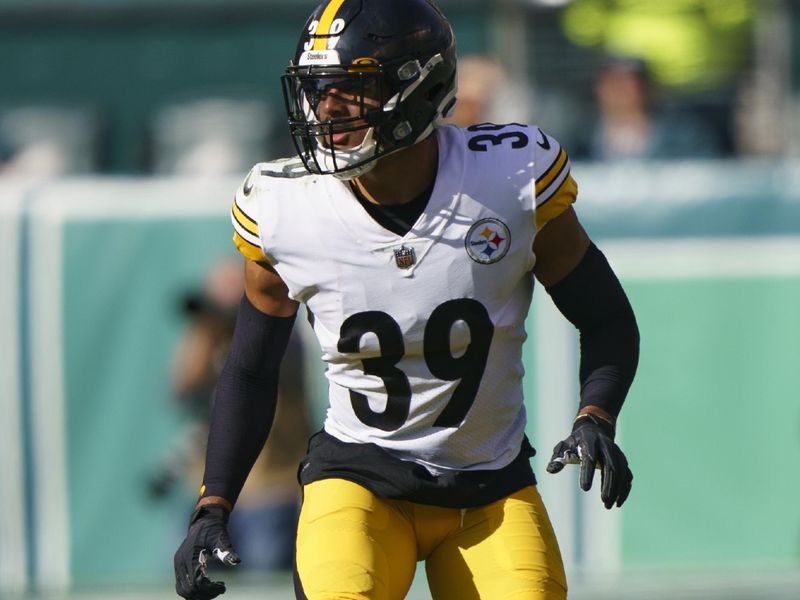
(593, 300)
(245, 400)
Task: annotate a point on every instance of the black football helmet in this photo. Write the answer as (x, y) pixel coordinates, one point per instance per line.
(400, 55)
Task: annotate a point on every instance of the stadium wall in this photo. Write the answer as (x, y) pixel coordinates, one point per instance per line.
(94, 267)
(13, 519)
(123, 62)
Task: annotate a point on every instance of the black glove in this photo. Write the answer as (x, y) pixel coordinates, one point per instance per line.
(208, 534)
(591, 444)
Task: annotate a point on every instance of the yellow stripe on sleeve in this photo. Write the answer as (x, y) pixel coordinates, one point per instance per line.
(562, 198)
(543, 182)
(248, 249)
(246, 223)
(325, 21)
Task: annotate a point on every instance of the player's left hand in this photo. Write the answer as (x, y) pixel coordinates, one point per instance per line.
(207, 537)
(591, 444)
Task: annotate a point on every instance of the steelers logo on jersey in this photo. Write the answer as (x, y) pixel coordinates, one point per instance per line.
(487, 241)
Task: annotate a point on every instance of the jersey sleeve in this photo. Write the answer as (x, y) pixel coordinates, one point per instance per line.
(244, 217)
(556, 190)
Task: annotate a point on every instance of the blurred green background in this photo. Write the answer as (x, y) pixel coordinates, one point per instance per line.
(125, 127)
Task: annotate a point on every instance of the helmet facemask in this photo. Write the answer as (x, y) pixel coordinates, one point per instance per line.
(383, 108)
(332, 114)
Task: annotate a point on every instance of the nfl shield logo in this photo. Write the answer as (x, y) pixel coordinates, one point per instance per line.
(404, 257)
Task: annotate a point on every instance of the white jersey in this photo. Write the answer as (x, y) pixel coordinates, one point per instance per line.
(422, 334)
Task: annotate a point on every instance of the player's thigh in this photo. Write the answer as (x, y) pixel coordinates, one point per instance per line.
(504, 551)
(353, 545)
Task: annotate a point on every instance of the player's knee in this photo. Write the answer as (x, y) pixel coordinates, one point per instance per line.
(339, 580)
(552, 590)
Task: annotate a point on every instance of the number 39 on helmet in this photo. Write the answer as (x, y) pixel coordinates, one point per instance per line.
(395, 60)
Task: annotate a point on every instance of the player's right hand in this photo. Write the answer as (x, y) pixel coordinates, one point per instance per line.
(207, 537)
(591, 444)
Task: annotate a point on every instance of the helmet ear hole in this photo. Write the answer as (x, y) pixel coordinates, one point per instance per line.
(435, 91)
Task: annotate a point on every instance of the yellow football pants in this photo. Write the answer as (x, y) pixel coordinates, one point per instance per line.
(353, 545)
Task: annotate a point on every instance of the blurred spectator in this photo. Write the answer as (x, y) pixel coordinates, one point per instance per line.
(264, 522)
(487, 94)
(46, 141)
(766, 124)
(210, 136)
(630, 124)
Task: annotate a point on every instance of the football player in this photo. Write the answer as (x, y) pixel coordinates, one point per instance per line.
(414, 247)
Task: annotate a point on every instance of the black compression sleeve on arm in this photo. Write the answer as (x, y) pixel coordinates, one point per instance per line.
(245, 400)
(593, 300)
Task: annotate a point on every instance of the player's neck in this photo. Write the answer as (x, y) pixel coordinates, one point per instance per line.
(401, 177)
